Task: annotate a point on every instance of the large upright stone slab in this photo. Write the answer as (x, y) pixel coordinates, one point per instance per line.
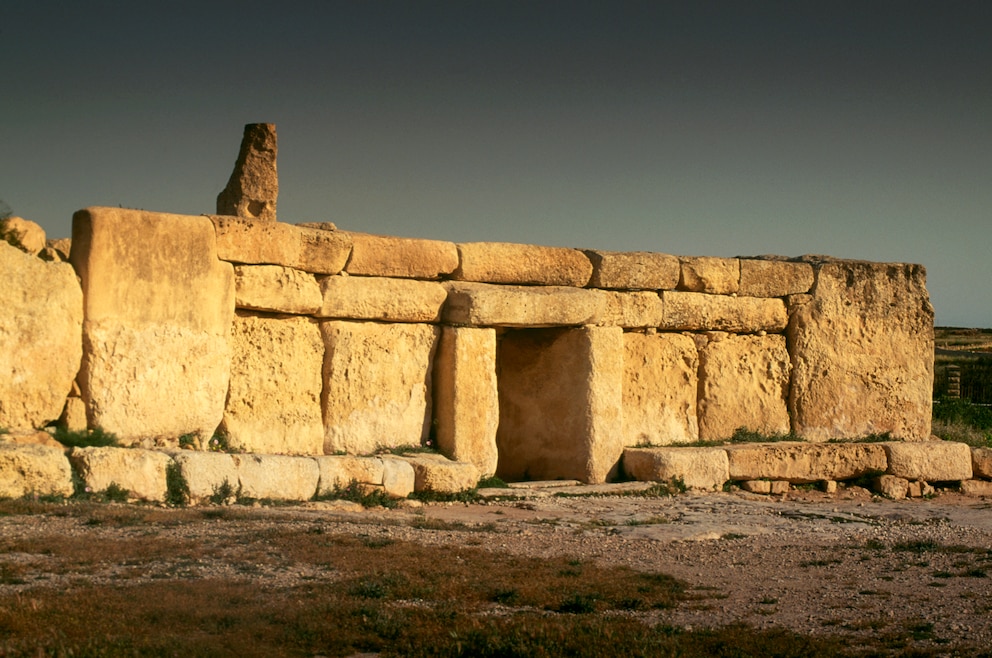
(485, 305)
(633, 270)
(158, 306)
(466, 402)
(659, 389)
(743, 382)
(376, 385)
(862, 350)
(405, 258)
(504, 262)
(274, 402)
(560, 400)
(40, 338)
(253, 188)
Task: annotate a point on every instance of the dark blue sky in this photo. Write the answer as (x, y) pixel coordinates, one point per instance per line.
(856, 129)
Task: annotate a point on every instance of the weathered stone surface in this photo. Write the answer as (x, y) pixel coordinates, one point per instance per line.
(659, 389)
(632, 310)
(398, 477)
(716, 276)
(26, 235)
(140, 472)
(437, 473)
(158, 307)
(704, 469)
(757, 486)
(774, 278)
(338, 471)
(277, 477)
(933, 461)
(778, 487)
(981, 488)
(276, 289)
(73, 417)
(893, 487)
(30, 437)
(58, 250)
(254, 242)
(253, 188)
(33, 469)
(504, 262)
(560, 399)
(274, 401)
(466, 402)
(981, 463)
(405, 258)
(206, 473)
(381, 298)
(633, 270)
(480, 304)
(743, 382)
(805, 462)
(692, 311)
(40, 338)
(376, 385)
(862, 348)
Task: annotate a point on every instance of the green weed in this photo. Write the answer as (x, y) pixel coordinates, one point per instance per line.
(94, 438)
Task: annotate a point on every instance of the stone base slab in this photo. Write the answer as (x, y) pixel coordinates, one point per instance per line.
(703, 469)
(32, 468)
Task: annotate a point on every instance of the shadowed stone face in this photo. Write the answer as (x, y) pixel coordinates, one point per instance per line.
(254, 185)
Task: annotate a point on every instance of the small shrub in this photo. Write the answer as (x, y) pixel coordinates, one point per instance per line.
(357, 492)
(176, 487)
(115, 493)
(188, 441)
(744, 435)
(219, 442)
(94, 438)
(223, 493)
(492, 482)
(467, 496)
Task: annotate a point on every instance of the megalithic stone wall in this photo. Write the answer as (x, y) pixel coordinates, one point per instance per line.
(526, 361)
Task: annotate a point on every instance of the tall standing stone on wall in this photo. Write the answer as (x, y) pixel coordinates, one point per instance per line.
(377, 391)
(659, 389)
(158, 305)
(40, 338)
(862, 351)
(559, 404)
(274, 402)
(254, 185)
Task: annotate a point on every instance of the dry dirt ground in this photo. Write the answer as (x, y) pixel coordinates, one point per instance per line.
(847, 563)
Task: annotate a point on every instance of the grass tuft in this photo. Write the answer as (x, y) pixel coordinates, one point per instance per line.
(94, 438)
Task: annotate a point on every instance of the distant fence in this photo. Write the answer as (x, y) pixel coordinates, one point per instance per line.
(966, 379)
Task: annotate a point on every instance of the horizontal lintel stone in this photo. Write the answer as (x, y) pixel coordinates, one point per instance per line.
(524, 264)
(481, 305)
(406, 258)
(381, 298)
(632, 310)
(276, 289)
(774, 278)
(693, 311)
(633, 270)
(256, 242)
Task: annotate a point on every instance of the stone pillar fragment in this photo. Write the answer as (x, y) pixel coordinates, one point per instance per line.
(560, 401)
(158, 306)
(862, 352)
(659, 389)
(254, 184)
(466, 402)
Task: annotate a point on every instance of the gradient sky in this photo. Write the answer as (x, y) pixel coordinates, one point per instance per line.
(856, 129)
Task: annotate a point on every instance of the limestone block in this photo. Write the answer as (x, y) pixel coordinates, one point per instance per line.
(405, 258)
(774, 278)
(40, 338)
(254, 242)
(24, 234)
(466, 402)
(559, 400)
(981, 488)
(274, 401)
(633, 270)
(158, 307)
(933, 461)
(437, 473)
(893, 487)
(692, 311)
(276, 289)
(505, 262)
(659, 389)
(704, 469)
(30, 437)
(381, 298)
(277, 477)
(206, 473)
(716, 276)
(376, 385)
(253, 188)
(981, 462)
(743, 382)
(27, 469)
(398, 477)
(57, 249)
(757, 486)
(778, 487)
(632, 310)
(140, 472)
(338, 471)
(862, 347)
(805, 462)
(480, 304)
(73, 417)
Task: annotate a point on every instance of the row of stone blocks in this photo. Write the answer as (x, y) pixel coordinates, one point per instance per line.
(40, 469)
